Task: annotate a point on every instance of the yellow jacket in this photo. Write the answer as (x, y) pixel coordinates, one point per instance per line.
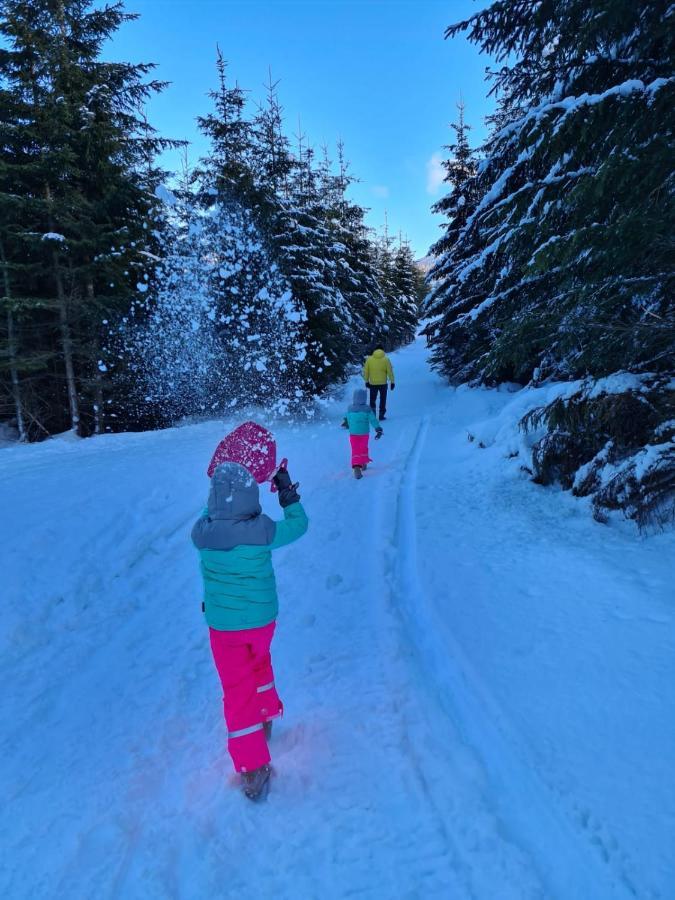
(377, 368)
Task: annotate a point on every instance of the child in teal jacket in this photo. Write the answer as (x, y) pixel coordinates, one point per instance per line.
(359, 420)
(235, 542)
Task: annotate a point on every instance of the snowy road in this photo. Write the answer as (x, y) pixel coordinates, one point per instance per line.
(471, 669)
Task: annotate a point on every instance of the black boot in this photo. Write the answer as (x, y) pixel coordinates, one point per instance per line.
(256, 784)
(357, 472)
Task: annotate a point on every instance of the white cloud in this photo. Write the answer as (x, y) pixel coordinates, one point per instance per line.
(435, 173)
(380, 190)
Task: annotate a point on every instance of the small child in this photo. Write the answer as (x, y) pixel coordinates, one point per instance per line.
(358, 420)
(235, 542)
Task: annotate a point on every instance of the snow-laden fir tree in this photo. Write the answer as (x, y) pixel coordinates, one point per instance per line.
(221, 328)
(172, 360)
(258, 322)
(74, 198)
(409, 291)
(564, 268)
(355, 276)
(323, 248)
(401, 288)
(457, 206)
(308, 258)
(570, 266)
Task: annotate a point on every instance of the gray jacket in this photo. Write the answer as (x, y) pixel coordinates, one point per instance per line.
(234, 515)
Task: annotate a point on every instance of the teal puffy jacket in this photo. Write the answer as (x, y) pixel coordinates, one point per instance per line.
(240, 589)
(361, 422)
(360, 417)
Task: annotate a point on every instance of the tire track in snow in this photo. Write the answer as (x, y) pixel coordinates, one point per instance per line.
(525, 806)
(448, 779)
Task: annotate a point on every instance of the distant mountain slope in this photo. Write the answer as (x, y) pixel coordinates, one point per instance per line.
(426, 263)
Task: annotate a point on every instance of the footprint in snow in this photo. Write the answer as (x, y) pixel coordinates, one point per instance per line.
(334, 581)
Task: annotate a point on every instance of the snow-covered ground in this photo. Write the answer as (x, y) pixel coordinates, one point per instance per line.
(478, 678)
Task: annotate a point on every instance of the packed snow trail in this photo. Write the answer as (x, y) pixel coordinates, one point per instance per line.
(430, 747)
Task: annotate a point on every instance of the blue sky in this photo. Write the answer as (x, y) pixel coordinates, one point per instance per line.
(377, 73)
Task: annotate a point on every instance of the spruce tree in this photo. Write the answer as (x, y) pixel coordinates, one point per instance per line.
(73, 200)
(356, 278)
(172, 365)
(259, 321)
(409, 291)
(306, 254)
(564, 267)
(458, 205)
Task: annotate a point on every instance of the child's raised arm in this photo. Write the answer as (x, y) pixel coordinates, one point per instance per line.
(295, 522)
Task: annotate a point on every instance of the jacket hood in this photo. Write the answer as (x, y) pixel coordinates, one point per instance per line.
(234, 493)
(359, 402)
(379, 354)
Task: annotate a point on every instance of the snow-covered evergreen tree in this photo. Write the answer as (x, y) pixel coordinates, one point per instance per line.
(401, 288)
(127, 305)
(259, 323)
(75, 197)
(563, 268)
(171, 358)
(222, 328)
(409, 288)
(306, 254)
(356, 277)
(567, 271)
(458, 205)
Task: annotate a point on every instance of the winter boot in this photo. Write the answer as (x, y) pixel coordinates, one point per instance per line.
(364, 467)
(268, 729)
(358, 472)
(256, 784)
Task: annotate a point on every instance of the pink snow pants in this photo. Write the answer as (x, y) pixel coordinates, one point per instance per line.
(359, 444)
(244, 665)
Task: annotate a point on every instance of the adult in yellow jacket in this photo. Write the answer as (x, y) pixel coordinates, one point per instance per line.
(377, 372)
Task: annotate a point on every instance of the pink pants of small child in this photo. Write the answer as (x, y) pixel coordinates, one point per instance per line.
(359, 444)
(250, 698)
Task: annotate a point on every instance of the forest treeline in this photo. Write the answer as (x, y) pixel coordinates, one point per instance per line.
(133, 296)
(557, 261)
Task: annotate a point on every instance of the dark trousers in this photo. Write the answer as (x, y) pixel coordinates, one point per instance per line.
(380, 389)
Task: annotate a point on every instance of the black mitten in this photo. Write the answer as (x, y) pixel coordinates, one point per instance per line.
(393, 385)
(378, 434)
(288, 492)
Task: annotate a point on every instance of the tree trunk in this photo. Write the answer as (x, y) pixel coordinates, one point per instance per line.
(16, 384)
(67, 346)
(66, 334)
(98, 404)
(98, 376)
(12, 350)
